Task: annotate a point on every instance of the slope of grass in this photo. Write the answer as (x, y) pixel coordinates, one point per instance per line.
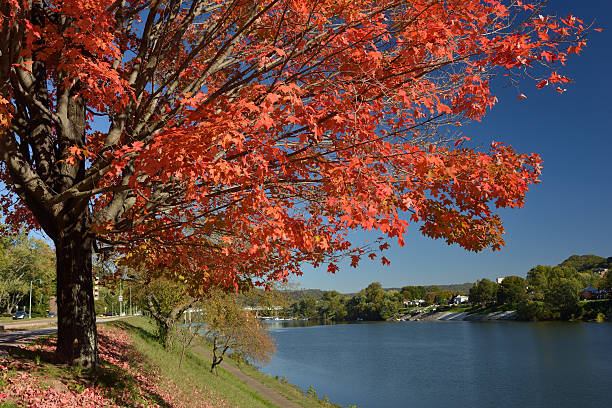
(195, 372)
(135, 371)
(194, 375)
(310, 399)
(481, 310)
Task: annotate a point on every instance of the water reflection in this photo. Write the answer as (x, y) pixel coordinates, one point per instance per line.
(432, 364)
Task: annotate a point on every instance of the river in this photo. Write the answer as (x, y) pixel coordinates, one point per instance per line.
(441, 364)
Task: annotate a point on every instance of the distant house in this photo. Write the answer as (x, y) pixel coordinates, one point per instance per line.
(413, 302)
(499, 280)
(600, 271)
(591, 293)
(459, 299)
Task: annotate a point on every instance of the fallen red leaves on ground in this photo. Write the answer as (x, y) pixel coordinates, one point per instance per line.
(26, 382)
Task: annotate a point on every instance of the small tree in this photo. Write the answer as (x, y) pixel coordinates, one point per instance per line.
(188, 332)
(166, 301)
(230, 327)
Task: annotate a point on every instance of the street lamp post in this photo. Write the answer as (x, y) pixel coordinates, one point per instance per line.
(40, 281)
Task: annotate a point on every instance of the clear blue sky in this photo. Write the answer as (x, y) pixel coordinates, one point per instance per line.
(570, 212)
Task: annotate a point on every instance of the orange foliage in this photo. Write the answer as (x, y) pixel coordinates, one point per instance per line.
(248, 137)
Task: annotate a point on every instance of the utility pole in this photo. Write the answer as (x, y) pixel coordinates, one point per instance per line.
(30, 313)
(120, 299)
(131, 311)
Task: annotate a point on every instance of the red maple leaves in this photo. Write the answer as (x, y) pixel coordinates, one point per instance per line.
(253, 137)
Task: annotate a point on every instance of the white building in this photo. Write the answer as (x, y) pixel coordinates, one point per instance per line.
(499, 280)
(460, 299)
(600, 271)
(414, 302)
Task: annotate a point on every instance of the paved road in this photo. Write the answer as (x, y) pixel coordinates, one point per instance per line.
(17, 337)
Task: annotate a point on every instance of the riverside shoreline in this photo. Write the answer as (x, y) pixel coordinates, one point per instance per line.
(461, 316)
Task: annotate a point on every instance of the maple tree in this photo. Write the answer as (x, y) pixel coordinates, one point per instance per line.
(238, 139)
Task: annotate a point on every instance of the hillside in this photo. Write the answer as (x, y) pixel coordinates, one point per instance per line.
(587, 263)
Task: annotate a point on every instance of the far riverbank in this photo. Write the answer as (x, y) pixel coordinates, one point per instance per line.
(464, 316)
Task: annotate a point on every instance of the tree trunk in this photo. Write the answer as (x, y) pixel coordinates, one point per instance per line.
(77, 342)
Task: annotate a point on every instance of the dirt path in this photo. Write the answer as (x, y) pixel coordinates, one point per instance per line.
(263, 390)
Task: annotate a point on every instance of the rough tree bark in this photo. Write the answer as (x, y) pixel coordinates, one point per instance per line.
(77, 336)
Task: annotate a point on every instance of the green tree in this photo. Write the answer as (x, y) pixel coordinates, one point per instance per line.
(387, 308)
(357, 307)
(395, 296)
(22, 260)
(563, 294)
(307, 307)
(537, 281)
(372, 303)
(413, 292)
(484, 292)
(374, 293)
(512, 290)
(333, 306)
(166, 301)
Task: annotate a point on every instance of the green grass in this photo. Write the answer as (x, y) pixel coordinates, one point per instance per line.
(192, 384)
(195, 372)
(284, 387)
(594, 302)
(479, 310)
(458, 309)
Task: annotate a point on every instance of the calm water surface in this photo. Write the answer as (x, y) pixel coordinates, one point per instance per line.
(435, 364)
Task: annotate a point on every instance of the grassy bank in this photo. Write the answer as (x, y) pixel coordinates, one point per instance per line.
(135, 372)
(195, 372)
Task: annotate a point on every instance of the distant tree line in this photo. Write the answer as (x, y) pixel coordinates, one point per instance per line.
(25, 260)
(551, 292)
(371, 303)
(546, 293)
